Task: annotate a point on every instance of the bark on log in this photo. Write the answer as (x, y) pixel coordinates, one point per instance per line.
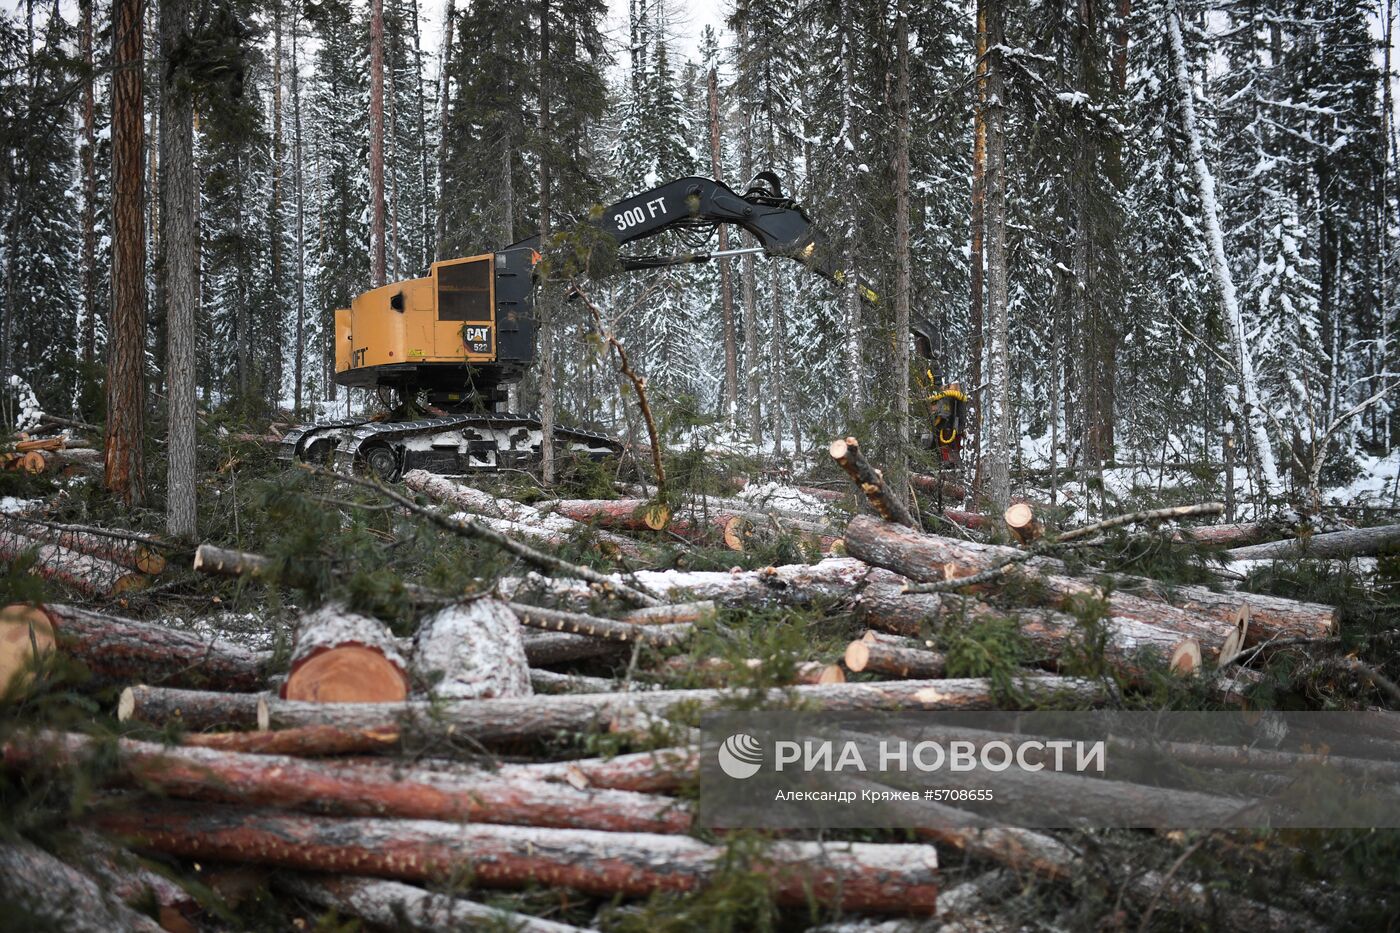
(699, 611)
(121, 650)
(1355, 542)
(719, 671)
(926, 483)
(222, 562)
(91, 576)
(542, 681)
(834, 578)
(124, 877)
(1226, 535)
(934, 558)
(206, 774)
(472, 650)
(133, 555)
(696, 525)
(342, 657)
(879, 657)
(545, 716)
(26, 635)
(190, 709)
(545, 648)
(871, 481)
(310, 742)
(393, 905)
(661, 771)
(558, 526)
(39, 889)
(851, 876)
(1127, 639)
(559, 620)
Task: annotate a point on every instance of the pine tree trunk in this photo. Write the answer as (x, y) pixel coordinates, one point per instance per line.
(425, 254)
(976, 262)
(126, 396)
(749, 282)
(377, 255)
(546, 304)
(449, 22)
(897, 462)
(89, 159)
(998, 413)
(275, 259)
(179, 199)
(726, 287)
(855, 327)
(298, 180)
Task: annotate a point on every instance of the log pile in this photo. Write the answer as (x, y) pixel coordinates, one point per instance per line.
(364, 762)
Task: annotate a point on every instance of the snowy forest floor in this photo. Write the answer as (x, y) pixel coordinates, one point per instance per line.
(331, 542)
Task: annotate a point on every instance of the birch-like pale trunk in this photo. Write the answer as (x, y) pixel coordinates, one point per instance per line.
(1220, 268)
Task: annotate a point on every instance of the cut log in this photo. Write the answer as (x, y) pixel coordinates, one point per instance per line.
(848, 875)
(26, 635)
(719, 671)
(1227, 535)
(695, 525)
(41, 892)
(545, 648)
(342, 657)
(322, 787)
(927, 483)
(91, 576)
(128, 553)
(935, 558)
(699, 611)
(834, 578)
(191, 709)
(542, 681)
(41, 443)
(1354, 542)
(549, 524)
(544, 716)
(222, 562)
(879, 657)
(1127, 640)
(974, 520)
(871, 481)
(393, 905)
(118, 650)
(310, 742)
(559, 620)
(661, 771)
(123, 876)
(471, 650)
(1021, 521)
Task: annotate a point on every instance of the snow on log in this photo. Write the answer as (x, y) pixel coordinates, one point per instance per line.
(91, 576)
(664, 770)
(887, 504)
(927, 558)
(848, 875)
(788, 585)
(342, 657)
(393, 905)
(207, 774)
(559, 620)
(1227, 535)
(38, 885)
(122, 650)
(1354, 542)
(719, 671)
(546, 524)
(545, 716)
(26, 635)
(471, 650)
(129, 553)
(190, 709)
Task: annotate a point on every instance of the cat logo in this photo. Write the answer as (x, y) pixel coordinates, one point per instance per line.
(357, 357)
(477, 337)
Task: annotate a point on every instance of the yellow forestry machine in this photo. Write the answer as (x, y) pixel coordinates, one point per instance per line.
(450, 343)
